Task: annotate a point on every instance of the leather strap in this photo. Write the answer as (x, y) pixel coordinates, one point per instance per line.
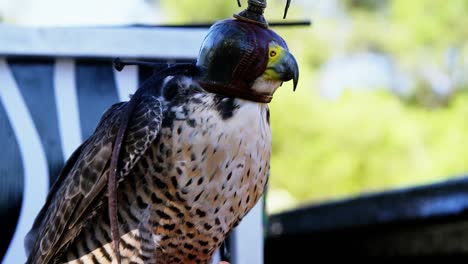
(234, 91)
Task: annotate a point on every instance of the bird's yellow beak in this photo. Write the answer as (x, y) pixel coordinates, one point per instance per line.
(281, 65)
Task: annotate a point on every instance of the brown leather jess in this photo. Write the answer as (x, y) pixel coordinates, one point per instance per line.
(233, 91)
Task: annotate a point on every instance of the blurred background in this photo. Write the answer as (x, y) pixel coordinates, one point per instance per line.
(382, 101)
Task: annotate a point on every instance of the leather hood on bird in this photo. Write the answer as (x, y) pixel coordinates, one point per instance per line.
(234, 53)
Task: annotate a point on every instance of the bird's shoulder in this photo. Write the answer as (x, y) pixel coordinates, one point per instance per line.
(74, 198)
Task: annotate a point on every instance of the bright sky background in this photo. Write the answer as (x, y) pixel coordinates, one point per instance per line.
(78, 12)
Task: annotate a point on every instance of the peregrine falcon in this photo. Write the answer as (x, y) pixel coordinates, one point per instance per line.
(194, 159)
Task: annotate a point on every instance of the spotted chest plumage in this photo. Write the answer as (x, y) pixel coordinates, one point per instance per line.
(206, 169)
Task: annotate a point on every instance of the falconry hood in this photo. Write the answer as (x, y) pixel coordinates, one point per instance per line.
(235, 52)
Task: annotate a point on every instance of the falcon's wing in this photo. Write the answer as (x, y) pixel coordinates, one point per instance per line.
(84, 177)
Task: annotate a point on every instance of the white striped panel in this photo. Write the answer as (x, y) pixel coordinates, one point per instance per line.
(66, 101)
(126, 82)
(248, 239)
(104, 42)
(216, 257)
(36, 171)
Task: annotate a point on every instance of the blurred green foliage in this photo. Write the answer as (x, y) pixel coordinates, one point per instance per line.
(198, 11)
(364, 141)
(361, 143)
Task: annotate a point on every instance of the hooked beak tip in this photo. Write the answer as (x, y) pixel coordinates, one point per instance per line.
(292, 70)
(295, 73)
(288, 70)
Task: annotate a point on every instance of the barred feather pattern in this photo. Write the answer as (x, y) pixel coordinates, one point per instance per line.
(181, 194)
(77, 195)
